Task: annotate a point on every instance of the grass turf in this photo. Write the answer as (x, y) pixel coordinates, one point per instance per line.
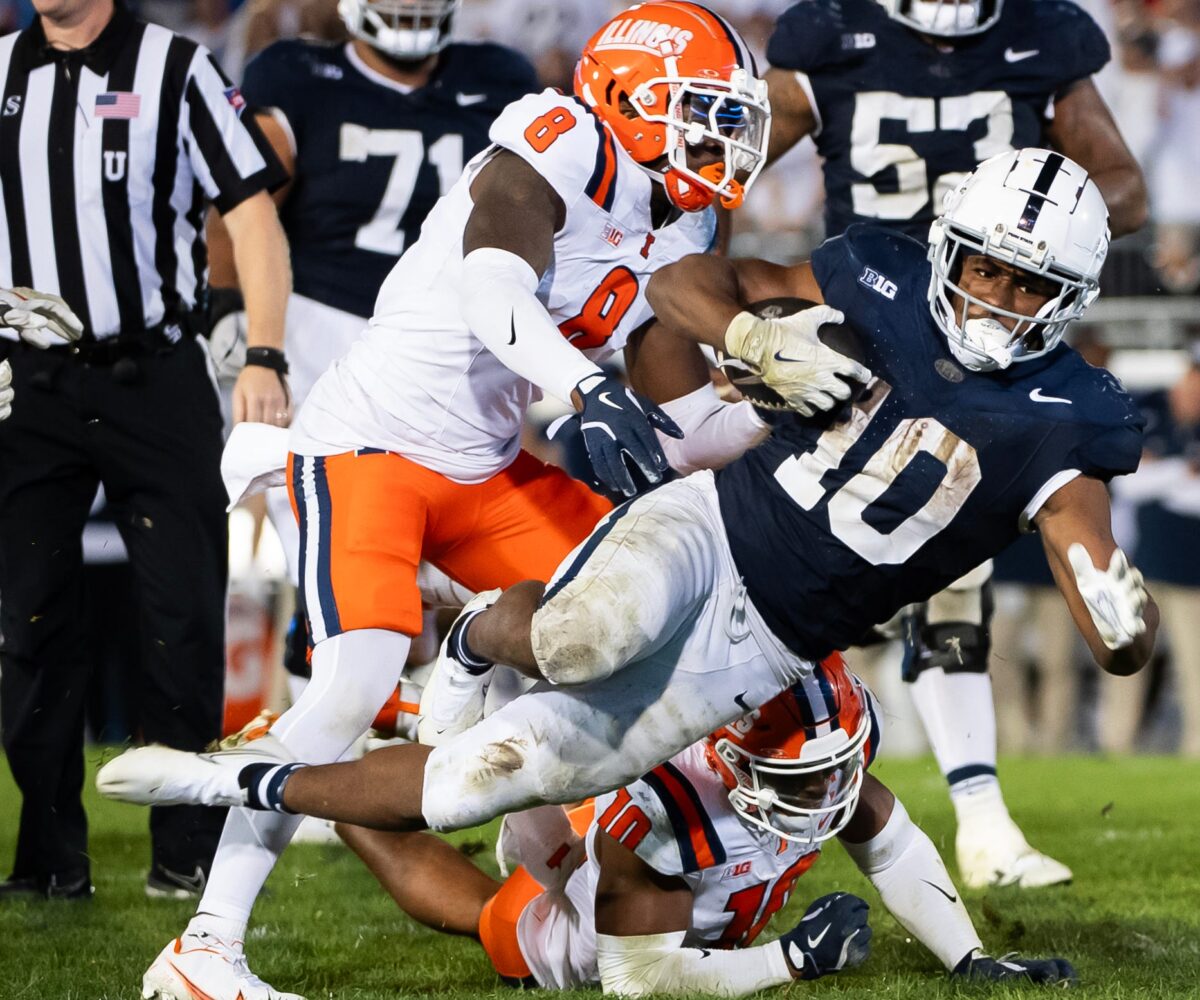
(1130, 922)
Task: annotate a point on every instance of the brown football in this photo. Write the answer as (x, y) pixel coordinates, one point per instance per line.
(749, 383)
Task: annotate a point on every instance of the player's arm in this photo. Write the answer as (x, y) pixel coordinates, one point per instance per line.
(904, 867)
(1083, 129)
(792, 114)
(642, 918)
(1105, 594)
(507, 246)
(673, 372)
(703, 298)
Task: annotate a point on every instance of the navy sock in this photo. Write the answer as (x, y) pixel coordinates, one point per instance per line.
(457, 645)
(264, 783)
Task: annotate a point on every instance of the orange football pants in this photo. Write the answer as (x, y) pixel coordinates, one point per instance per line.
(368, 518)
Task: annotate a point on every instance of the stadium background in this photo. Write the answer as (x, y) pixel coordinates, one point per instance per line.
(1125, 921)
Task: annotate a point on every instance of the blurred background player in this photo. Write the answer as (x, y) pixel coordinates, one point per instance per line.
(663, 886)
(903, 98)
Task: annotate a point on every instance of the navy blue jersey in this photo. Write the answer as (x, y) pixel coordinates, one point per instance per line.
(371, 159)
(1168, 545)
(900, 120)
(928, 474)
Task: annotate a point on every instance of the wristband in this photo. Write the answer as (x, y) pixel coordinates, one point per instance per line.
(267, 357)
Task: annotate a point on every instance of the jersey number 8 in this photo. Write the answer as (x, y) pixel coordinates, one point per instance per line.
(542, 131)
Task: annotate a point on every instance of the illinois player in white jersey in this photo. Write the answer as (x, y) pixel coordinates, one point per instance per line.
(664, 885)
(529, 271)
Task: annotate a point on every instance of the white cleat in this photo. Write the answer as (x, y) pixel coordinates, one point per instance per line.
(988, 856)
(200, 966)
(160, 776)
(453, 698)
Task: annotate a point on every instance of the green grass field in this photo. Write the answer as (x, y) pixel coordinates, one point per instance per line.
(1130, 922)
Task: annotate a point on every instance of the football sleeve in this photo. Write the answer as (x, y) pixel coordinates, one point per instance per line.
(563, 142)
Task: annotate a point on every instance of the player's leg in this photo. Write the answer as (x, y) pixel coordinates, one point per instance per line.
(953, 695)
(1058, 699)
(361, 523)
(531, 515)
(430, 880)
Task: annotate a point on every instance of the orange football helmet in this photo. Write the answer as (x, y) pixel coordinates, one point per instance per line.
(669, 76)
(795, 766)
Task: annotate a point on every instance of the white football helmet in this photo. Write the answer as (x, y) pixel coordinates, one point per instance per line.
(1033, 209)
(945, 18)
(403, 29)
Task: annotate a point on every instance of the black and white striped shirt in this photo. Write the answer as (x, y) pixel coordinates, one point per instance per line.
(108, 157)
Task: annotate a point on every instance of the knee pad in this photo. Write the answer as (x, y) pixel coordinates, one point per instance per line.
(952, 647)
(573, 648)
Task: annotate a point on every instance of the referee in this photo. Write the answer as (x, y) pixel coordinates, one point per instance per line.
(114, 136)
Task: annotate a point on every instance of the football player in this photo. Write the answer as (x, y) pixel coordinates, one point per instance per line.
(663, 885)
(527, 273)
(697, 602)
(903, 98)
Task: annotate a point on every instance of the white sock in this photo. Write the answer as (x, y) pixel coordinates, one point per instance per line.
(960, 720)
(353, 675)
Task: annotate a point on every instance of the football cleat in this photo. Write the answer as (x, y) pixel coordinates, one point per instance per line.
(997, 854)
(160, 776)
(163, 883)
(200, 966)
(453, 698)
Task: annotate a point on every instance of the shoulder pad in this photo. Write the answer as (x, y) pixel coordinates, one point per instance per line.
(278, 76)
(866, 254)
(1110, 433)
(1080, 47)
(808, 36)
(561, 139)
(663, 820)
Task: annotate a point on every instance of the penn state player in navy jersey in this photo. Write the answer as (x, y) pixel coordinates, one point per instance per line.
(977, 422)
(902, 98)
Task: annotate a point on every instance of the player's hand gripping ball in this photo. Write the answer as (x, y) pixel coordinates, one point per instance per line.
(816, 376)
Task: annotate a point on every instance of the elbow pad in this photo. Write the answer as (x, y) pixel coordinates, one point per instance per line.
(645, 964)
(714, 432)
(499, 304)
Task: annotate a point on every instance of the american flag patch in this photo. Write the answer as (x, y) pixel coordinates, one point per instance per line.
(118, 104)
(235, 99)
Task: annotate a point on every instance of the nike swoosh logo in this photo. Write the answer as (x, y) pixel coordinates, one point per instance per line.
(512, 323)
(466, 100)
(607, 400)
(813, 942)
(193, 882)
(1037, 397)
(953, 899)
(740, 701)
(704, 953)
(782, 357)
(1010, 55)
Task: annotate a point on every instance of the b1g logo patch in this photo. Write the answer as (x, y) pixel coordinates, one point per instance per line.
(737, 870)
(878, 283)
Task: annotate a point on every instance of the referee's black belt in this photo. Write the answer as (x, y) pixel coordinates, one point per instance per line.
(162, 338)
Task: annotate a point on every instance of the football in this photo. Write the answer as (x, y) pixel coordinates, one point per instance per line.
(838, 336)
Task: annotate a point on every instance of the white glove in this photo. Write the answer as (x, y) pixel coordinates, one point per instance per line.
(786, 353)
(41, 320)
(1114, 598)
(6, 390)
(227, 346)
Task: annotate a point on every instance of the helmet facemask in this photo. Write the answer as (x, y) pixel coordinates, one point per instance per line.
(805, 801)
(987, 344)
(945, 18)
(405, 30)
(696, 111)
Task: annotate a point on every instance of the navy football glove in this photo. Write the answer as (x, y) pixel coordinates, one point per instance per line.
(1010, 968)
(618, 424)
(832, 935)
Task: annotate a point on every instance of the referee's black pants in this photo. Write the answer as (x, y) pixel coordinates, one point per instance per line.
(155, 443)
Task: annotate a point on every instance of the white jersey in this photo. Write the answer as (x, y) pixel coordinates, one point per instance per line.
(420, 383)
(677, 818)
